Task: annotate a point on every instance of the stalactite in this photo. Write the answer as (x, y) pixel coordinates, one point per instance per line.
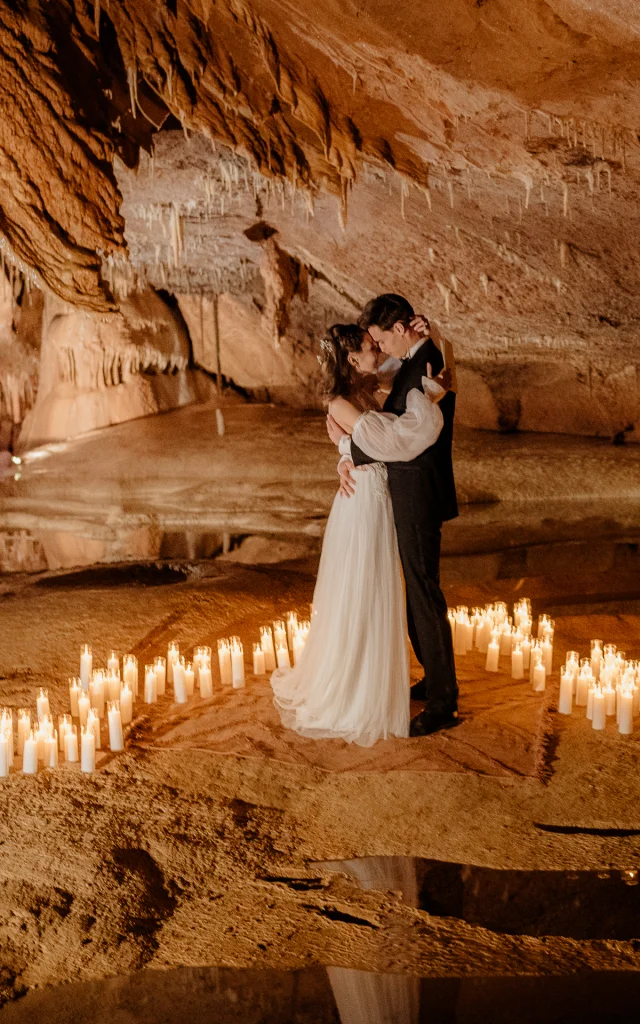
(484, 281)
(132, 79)
(446, 295)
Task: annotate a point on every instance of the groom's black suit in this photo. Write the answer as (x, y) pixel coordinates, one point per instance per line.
(423, 494)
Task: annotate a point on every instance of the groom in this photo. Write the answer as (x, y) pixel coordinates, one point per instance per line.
(423, 495)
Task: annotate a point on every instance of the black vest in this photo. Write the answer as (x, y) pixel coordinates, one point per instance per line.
(435, 464)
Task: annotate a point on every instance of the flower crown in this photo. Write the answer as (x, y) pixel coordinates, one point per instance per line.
(327, 346)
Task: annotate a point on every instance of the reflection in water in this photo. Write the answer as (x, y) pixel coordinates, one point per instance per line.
(363, 997)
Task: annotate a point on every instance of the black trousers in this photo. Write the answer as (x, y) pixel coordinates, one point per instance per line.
(419, 538)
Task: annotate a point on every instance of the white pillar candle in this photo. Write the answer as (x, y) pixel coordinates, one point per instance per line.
(565, 701)
(39, 736)
(505, 640)
(189, 678)
(609, 700)
(539, 677)
(596, 657)
(93, 723)
(547, 656)
(460, 639)
(279, 634)
(160, 669)
(24, 728)
(282, 656)
(526, 653)
(4, 755)
(75, 689)
(150, 685)
(88, 751)
(598, 713)
(179, 682)
(582, 688)
(42, 704)
(84, 704)
(493, 656)
(113, 663)
(64, 726)
(205, 679)
(224, 661)
(71, 745)
(98, 694)
(590, 693)
(292, 625)
(484, 634)
(51, 751)
(130, 671)
(113, 687)
(468, 626)
(625, 719)
(126, 704)
(86, 666)
(7, 732)
(258, 660)
(517, 663)
(173, 653)
(636, 699)
(266, 642)
(30, 755)
(116, 735)
(237, 663)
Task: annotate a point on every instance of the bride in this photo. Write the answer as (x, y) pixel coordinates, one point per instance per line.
(352, 679)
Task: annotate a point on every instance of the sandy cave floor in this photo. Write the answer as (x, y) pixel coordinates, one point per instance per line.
(205, 832)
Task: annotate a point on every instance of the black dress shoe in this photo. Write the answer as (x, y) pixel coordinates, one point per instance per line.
(428, 722)
(419, 690)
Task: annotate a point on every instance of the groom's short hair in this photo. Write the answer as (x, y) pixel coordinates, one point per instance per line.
(384, 311)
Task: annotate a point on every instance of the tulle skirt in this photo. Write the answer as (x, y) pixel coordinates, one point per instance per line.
(352, 678)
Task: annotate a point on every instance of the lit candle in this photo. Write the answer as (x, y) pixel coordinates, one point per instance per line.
(609, 700)
(30, 755)
(179, 681)
(224, 660)
(7, 732)
(468, 626)
(130, 673)
(126, 704)
(97, 693)
(205, 679)
(565, 703)
(65, 725)
(113, 663)
(292, 625)
(42, 704)
(84, 704)
(493, 655)
(266, 642)
(582, 687)
(4, 755)
(160, 669)
(88, 751)
(543, 620)
(189, 678)
(517, 663)
(596, 658)
(93, 723)
(51, 751)
(39, 736)
(173, 653)
(24, 728)
(282, 656)
(483, 634)
(625, 718)
(116, 736)
(280, 634)
(609, 655)
(150, 685)
(237, 663)
(547, 655)
(598, 711)
(75, 689)
(526, 653)
(258, 660)
(590, 693)
(113, 687)
(505, 640)
(460, 640)
(71, 745)
(86, 666)
(539, 676)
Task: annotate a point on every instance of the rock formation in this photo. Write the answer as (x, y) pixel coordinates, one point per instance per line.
(484, 165)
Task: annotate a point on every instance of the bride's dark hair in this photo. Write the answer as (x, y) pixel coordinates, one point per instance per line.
(338, 374)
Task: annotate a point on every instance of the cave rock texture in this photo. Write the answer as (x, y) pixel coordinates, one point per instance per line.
(272, 165)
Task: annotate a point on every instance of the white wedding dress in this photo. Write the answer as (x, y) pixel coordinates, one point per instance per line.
(352, 678)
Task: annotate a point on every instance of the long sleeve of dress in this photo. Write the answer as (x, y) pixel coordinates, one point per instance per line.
(389, 438)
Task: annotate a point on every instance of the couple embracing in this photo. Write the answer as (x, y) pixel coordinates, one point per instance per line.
(396, 490)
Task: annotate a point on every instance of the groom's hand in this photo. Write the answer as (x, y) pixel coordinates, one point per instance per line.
(444, 378)
(421, 325)
(347, 485)
(334, 430)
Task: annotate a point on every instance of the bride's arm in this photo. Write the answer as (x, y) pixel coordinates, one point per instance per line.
(344, 413)
(390, 438)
